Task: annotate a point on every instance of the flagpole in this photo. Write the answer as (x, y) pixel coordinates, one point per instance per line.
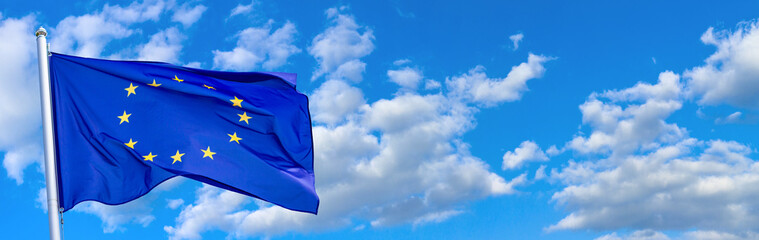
(47, 119)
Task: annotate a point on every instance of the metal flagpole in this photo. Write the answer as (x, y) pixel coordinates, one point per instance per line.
(47, 119)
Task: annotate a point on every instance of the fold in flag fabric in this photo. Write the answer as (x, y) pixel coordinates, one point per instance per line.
(123, 127)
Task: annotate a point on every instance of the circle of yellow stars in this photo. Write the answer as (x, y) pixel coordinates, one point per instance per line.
(177, 157)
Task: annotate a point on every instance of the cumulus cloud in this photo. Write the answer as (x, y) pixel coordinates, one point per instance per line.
(392, 161)
(414, 172)
(339, 48)
(621, 126)
(174, 203)
(20, 125)
(137, 211)
(187, 15)
(540, 173)
(88, 34)
(477, 87)
(114, 217)
(691, 235)
(333, 100)
(432, 84)
(242, 9)
(259, 47)
(637, 235)
(164, 46)
(406, 77)
(515, 39)
(645, 173)
(527, 151)
(135, 12)
(209, 211)
(401, 62)
(715, 235)
(41, 201)
(731, 74)
(403, 111)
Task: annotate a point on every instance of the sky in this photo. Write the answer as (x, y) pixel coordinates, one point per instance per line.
(457, 120)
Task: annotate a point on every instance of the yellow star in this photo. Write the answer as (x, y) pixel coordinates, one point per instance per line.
(178, 80)
(244, 117)
(209, 87)
(154, 84)
(208, 153)
(124, 117)
(234, 138)
(130, 89)
(177, 157)
(236, 102)
(149, 157)
(130, 144)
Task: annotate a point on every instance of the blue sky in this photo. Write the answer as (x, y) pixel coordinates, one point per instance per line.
(486, 120)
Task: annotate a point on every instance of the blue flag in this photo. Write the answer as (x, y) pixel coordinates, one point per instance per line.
(123, 127)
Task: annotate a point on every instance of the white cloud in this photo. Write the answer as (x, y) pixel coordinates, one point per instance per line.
(527, 151)
(259, 47)
(621, 130)
(691, 235)
(88, 34)
(343, 43)
(731, 74)
(136, 211)
(20, 131)
(401, 62)
(477, 87)
(732, 118)
(174, 203)
(187, 15)
(333, 100)
(540, 173)
(715, 235)
(435, 217)
(637, 235)
(242, 9)
(553, 151)
(645, 173)
(406, 77)
(42, 199)
(515, 39)
(403, 112)
(432, 84)
(193, 65)
(667, 88)
(135, 12)
(393, 161)
(164, 46)
(209, 211)
(352, 70)
(21, 155)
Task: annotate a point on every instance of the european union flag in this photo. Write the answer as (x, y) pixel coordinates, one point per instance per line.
(123, 127)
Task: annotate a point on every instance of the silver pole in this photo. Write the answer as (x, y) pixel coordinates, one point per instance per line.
(47, 119)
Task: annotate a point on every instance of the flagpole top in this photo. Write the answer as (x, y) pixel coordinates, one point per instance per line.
(40, 32)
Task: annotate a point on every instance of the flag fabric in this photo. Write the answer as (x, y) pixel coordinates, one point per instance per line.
(123, 127)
